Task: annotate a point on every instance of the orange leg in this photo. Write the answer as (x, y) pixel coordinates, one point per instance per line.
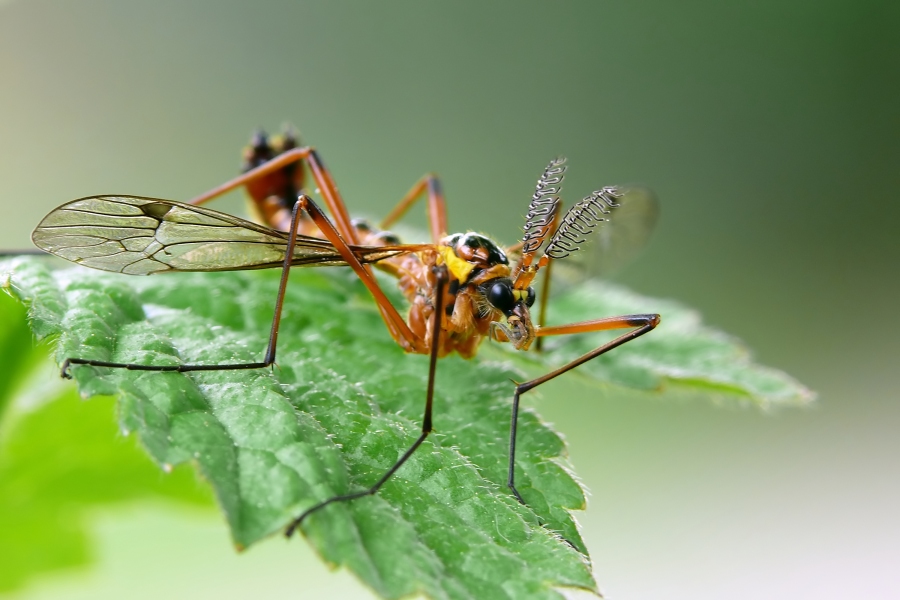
(545, 286)
(405, 337)
(641, 324)
(304, 203)
(323, 180)
(342, 223)
(437, 208)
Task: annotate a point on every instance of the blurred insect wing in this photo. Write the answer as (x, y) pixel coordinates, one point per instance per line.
(620, 240)
(603, 233)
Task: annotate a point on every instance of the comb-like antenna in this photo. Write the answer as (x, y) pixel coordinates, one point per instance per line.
(544, 204)
(541, 213)
(580, 221)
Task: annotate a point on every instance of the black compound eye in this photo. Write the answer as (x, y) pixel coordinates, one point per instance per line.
(529, 299)
(501, 296)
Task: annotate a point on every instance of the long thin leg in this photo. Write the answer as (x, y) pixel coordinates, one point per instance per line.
(406, 338)
(641, 323)
(343, 227)
(409, 340)
(426, 419)
(545, 286)
(321, 175)
(393, 321)
(273, 333)
(437, 207)
(542, 310)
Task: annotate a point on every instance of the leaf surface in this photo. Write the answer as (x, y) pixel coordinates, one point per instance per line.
(344, 402)
(61, 458)
(680, 350)
(335, 414)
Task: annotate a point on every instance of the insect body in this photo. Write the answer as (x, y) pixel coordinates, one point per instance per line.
(462, 288)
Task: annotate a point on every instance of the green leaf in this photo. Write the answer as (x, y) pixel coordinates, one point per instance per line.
(681, 349)
(344, 402)
(342, 405)
(60, 459)
(17, 354)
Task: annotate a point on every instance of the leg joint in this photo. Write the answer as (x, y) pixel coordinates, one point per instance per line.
(642, 320)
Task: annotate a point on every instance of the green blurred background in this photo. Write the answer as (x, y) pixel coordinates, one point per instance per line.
(770, 130)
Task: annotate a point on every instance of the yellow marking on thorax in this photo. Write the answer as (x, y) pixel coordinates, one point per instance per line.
(459, 268)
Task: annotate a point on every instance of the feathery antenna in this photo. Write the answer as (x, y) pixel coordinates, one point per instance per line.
(544, 204)
(581, 220)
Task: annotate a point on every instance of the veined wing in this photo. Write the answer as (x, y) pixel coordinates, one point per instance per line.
(604, 231)
(142, 236)
(620, 240)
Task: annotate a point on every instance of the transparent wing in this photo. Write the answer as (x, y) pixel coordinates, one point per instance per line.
(142, 236)
(616, 241)
(620, 240)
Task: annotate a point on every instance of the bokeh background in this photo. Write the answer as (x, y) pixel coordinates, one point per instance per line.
(770, 130)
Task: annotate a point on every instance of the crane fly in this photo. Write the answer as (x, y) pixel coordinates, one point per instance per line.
(462, 288)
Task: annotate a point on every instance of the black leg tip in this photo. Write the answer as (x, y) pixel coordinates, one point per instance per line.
(570, 543)
(516, 494)
(290, 529)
